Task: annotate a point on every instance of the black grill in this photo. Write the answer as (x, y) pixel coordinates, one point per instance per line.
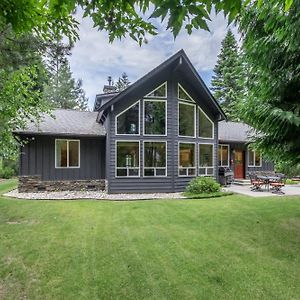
(225, 175)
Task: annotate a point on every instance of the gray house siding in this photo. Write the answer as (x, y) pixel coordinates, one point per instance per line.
(265, 166)
(38, 158)
(172, 182)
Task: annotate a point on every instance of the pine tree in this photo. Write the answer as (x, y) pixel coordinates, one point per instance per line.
(227, 81)
(62, 91)
(122, 83)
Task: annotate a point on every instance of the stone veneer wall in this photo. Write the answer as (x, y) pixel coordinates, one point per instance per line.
(33, 184)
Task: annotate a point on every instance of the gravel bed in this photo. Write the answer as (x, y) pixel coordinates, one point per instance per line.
(72, 195)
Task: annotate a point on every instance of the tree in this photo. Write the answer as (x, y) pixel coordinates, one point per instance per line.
(271, 45)
(122, 83)
(63, 91)
(227, 82)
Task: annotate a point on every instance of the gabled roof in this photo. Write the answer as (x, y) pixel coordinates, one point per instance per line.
(178, 62)
(66, 122)
(234, 132)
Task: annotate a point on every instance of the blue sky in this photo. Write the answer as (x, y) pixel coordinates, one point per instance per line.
(94, 58)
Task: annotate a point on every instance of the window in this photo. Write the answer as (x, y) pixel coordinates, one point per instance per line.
(128, 159)
(160, 92)
(183, 95)
(206, 154)
(67, 153)
(186, 159)
(206, 126)
(154, 117)
(255, 159)
(127, 122)
(224, 155)
(155, 159)
(186, 119)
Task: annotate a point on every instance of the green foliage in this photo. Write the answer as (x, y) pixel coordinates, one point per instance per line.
(200, 185)
(119, 18)
(271, 45)
(7, 173)
(228, 79)
(290, 170)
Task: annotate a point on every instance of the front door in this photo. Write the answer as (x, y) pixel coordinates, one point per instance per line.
(239, 164)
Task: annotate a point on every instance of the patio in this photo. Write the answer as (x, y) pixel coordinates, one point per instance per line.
(289, 190)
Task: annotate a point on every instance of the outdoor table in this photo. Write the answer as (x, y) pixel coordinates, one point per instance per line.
(266, 179)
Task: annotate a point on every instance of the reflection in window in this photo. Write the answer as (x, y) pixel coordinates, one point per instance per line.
(154, 117)
(254, 158)
(155, 159)
(128, 159)
(183, 95)
(128, 121)
(205, 126)
(67, 154)
(160, 92)
(206, 167)
(186, 119)
(223, 155)
(186, 159)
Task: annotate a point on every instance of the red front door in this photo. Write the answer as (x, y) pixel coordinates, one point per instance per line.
(239, 164)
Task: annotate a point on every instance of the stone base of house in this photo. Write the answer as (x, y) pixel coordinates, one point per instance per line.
(33, 184)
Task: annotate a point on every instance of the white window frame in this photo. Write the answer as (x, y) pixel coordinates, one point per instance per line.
(228, 156)
(127, 168)
(159, 97)
(166, 167)
(116, 120)
(166, 116)
(213, 161)
(260, 161)
(180, 86)
(213, 125)
(195, 119)
(187, 168)
(67, 140)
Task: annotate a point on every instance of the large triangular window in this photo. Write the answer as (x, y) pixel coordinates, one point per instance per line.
(159, 92)
(206, 126)
(127, 122)
(183, 94)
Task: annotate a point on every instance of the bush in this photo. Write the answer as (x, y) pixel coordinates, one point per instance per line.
(7, 172)
(200, 185)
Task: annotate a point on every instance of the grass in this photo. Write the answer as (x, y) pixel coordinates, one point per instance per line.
(232, 247)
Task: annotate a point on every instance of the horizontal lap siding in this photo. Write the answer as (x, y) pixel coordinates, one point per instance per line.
(172, 182)
(38, 158)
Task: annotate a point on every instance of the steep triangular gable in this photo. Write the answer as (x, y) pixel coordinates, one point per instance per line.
(178, 61)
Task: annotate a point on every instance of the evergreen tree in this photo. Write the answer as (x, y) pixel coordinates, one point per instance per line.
(122, 83)
(62, 91)
(227, 81)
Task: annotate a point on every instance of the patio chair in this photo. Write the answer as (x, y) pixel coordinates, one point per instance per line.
(277, 185)
(256, 184)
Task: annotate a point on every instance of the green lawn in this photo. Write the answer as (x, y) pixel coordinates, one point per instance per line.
(231, 247)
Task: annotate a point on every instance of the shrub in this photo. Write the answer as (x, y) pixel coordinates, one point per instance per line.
(200, 185)
(7, 172)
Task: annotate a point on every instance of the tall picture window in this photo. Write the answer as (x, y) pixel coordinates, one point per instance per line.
(255, 159)
(223, 155)
(155, 117)
(127, 122)
(186, 154)
(206, 126)
(186, 119)
(155, 159)
(206, 164)
(128, 159)
(67, 153)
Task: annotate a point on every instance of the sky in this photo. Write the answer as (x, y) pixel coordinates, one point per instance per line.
(93, 58)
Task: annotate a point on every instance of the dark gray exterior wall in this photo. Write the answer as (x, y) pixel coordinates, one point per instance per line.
(38, 158)
(265, 166)
(172, 182)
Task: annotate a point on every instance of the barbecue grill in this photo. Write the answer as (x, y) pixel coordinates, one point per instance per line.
(225, 175)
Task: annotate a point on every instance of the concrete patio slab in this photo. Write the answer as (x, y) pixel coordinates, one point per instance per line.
(289, 190)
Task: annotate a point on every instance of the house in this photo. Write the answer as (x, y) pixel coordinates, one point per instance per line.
(156, 135)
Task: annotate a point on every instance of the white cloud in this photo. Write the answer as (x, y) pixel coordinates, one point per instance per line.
(94, 58)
